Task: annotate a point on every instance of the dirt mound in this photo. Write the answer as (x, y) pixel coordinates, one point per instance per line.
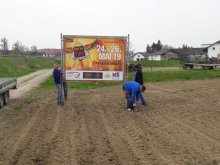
(180, 126)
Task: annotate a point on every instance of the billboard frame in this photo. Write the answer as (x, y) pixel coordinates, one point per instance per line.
(126, 47)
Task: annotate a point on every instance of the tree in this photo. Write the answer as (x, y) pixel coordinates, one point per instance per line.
(159, 45)
(149, 49)
(17, 48)
(34, 49)
(185, 46)
(4, 46)
(167, 47)
(154, 47)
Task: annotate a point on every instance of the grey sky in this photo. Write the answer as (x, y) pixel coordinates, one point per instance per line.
(174, 22)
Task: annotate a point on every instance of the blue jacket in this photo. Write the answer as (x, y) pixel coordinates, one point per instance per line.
(57, 76)
(133, 88)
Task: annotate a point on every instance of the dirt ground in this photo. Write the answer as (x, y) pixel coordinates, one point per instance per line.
(180, 126)
(161, 69)
(28, 82)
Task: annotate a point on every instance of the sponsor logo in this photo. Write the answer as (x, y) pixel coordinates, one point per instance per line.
(73, 74)
(116, 75)
(107, 76)
(76, 74)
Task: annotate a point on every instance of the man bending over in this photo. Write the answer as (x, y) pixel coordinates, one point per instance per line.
(133, 92)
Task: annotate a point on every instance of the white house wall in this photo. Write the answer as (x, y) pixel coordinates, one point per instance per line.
(138, 56)
(214, 53)
(154, 58)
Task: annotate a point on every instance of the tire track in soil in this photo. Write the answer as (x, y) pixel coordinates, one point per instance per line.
(73, 118)
(80, 138)
(187, 150)
(45, 131)
(203, 156)
(55, 140)
(21, 141)
(93, 136)
(197, 149)
(141, 151)
(63, 148)
(41, 131)
(25, 136)
(214, 141)
(196, 121)
(37, 152)
(145, 152)
(124, 154)
(71, 133)
(153, 124)
(162, 140)
(94, 128)
(154, 149)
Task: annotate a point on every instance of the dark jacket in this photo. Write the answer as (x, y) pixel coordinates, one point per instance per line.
(139, 77)
(57, 76)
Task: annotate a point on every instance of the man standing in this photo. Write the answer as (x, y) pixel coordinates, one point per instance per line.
(139, 75)
(57, 75)
(133, 92)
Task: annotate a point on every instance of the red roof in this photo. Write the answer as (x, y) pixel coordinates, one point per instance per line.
(56, 52)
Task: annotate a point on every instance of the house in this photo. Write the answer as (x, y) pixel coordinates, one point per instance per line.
(139, 56)
(50, 52)
(163, 55)
(191, 54)
(214, 50)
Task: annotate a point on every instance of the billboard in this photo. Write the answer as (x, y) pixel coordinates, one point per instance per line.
(94, 58)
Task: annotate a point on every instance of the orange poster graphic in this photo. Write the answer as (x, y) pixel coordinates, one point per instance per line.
(94, 58)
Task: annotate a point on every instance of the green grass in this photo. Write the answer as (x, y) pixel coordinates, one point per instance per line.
(163, 76)
(157, 76)
(49, 84)
(14, 67)
(169, 63)
(18, 66)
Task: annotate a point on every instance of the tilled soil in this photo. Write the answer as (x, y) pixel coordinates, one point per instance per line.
(180, 126)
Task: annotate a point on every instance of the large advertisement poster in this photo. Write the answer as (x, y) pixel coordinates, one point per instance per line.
(94, 58)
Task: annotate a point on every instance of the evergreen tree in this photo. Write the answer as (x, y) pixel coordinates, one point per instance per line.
(154, 47)
(149, 49)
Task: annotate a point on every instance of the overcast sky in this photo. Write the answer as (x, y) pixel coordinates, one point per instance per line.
(174, 22)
